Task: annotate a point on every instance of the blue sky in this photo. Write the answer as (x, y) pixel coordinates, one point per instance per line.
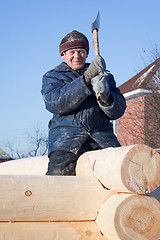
(31, 31)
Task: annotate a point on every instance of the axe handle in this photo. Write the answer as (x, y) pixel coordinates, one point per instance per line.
(95, 41)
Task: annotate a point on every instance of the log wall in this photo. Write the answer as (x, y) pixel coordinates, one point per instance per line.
(100, 203)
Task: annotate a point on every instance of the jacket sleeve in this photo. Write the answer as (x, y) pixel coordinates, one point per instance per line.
(117, 104)
(61, 97)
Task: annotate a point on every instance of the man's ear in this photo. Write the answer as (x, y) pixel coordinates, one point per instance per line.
(63, 56)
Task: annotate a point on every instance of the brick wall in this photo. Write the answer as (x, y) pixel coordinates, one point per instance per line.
(140, 123)
(130, 125)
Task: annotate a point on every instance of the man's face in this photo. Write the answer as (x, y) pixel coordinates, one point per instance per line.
(75, 58)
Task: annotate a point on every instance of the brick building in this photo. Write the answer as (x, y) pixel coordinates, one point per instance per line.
(141, 121)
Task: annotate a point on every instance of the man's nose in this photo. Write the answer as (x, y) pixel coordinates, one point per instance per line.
(76, 54)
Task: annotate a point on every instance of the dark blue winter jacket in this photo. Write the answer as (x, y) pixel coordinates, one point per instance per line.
(77, 114)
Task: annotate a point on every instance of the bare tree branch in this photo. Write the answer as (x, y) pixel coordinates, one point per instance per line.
(36, 140)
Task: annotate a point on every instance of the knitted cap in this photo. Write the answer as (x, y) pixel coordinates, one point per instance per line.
(72, 40)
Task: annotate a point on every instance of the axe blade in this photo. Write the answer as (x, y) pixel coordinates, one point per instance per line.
(95, 24)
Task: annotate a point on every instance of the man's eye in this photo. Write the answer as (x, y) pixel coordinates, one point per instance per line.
(71, 53)
(82, 52)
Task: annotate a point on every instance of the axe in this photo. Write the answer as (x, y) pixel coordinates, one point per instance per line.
(95, 27)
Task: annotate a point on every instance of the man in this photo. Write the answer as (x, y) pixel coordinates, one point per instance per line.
(83, 98)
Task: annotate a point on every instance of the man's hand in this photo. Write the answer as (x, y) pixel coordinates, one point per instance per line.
(101, 88)
(96, 67)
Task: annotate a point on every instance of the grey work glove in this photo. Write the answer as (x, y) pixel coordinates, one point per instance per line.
(101, 87)
(96, 67)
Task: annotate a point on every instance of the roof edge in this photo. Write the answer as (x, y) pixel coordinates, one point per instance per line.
(136, 93)
(129, 86)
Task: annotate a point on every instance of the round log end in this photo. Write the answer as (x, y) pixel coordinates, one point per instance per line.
(138, 217)
(140, 169)
(135, 217)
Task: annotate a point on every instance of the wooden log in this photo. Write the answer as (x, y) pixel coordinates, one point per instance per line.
(133, 168)
(48, 198)
(50, 231)
(25, 166)
(131, 217)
